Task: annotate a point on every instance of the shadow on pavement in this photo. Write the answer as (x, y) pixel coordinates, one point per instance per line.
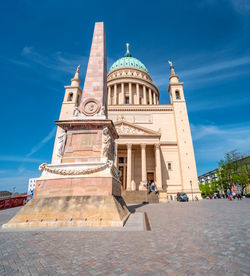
(132, 208)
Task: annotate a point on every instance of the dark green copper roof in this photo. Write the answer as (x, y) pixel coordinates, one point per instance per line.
(128, 61)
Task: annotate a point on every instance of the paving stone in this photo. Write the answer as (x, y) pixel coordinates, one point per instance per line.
(209, 237)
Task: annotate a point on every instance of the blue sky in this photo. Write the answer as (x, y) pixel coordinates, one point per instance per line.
(42, 42)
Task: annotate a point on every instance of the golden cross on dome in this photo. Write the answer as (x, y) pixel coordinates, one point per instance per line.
(127, 44)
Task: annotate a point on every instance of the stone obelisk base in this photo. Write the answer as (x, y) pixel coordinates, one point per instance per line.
(71, 211)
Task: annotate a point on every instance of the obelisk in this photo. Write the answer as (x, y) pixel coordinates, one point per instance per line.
(84, 188)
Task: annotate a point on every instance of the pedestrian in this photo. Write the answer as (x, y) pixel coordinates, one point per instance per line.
(149, 187)
(153, 187)
(229, 194)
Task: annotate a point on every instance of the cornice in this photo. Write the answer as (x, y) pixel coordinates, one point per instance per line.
(168, 143)
(126, 73)
(162, 107)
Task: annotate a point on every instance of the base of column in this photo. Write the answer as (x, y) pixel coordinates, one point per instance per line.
(133, 185)
(142, 187)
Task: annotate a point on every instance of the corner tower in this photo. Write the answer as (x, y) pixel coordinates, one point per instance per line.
(183, 133)
(72, 98)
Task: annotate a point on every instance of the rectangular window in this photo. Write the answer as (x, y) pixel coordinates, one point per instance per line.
(126, 100)
(169, 166)
(121, 159)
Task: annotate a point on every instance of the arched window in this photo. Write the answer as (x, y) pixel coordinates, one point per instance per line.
(78, 99)
(70, 97)
(177, 95)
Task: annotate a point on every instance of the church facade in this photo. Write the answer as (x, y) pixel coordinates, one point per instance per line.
(155, 141)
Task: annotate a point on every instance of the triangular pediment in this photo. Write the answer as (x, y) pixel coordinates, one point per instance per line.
(124, 128)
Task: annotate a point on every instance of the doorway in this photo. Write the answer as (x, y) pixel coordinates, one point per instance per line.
(150, 177)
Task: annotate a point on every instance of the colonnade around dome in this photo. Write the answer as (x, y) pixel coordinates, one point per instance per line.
(131, 86)
(131, 93)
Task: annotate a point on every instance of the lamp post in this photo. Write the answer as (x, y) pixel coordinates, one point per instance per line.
(192, 189)
(14, 189)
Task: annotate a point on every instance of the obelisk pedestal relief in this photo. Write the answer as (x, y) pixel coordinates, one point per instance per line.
(82, 188)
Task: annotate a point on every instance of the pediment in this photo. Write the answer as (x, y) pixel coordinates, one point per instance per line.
(124, 128)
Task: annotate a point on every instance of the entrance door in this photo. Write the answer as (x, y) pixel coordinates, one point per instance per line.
(123, 177)
(121, 169)
(150, 177)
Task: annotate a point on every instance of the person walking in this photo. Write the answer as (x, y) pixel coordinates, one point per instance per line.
(153, 187)
(149, 187)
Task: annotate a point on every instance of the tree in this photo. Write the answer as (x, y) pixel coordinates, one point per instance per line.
(233, 170)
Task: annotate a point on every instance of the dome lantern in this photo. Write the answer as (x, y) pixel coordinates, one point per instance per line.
(128, 61)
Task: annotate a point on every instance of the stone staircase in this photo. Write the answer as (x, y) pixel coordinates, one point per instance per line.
(140, 197)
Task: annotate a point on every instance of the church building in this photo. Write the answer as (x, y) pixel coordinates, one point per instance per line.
(155, 141)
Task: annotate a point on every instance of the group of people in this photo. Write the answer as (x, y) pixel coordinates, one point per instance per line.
(233, 195)
(151, 187)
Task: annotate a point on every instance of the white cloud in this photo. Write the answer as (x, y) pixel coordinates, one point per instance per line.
(200, 131)
(11, 158)
(202, 74)
(211, 142)
(49, 136)
(214, 67)
(241, 6)
(19, 181)
(57, 61)
(202, 104)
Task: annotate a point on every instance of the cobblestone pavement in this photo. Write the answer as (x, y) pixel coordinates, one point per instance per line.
(209, 237)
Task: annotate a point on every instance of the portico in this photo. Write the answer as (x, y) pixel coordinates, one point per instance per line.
(138, 162)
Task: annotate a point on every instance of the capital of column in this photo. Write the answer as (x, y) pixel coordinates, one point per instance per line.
(143, 146)
(157, 146)
(129, 146)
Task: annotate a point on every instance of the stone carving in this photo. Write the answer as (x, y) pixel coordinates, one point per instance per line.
(121, 118)
(170, 63)
(90, 107)
(61, 144)
(124, 130)
(102, 111)
(78, 115)
(106, 142)
(114, 151)
(76, 111)
(65, 171)
(109, 164)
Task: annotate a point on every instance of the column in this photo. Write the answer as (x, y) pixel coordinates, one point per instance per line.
(129, 165)
(158, 167)
(137, 94)
(150, 96)
(115, 94)
(130, 93)
(109, 95)
(143, 168)
(123, 95)
(144, 95)
(154, 97)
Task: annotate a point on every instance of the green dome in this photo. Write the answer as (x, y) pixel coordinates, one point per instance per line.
(128, 61)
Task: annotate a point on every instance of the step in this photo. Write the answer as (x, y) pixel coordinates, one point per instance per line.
(139, 197)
